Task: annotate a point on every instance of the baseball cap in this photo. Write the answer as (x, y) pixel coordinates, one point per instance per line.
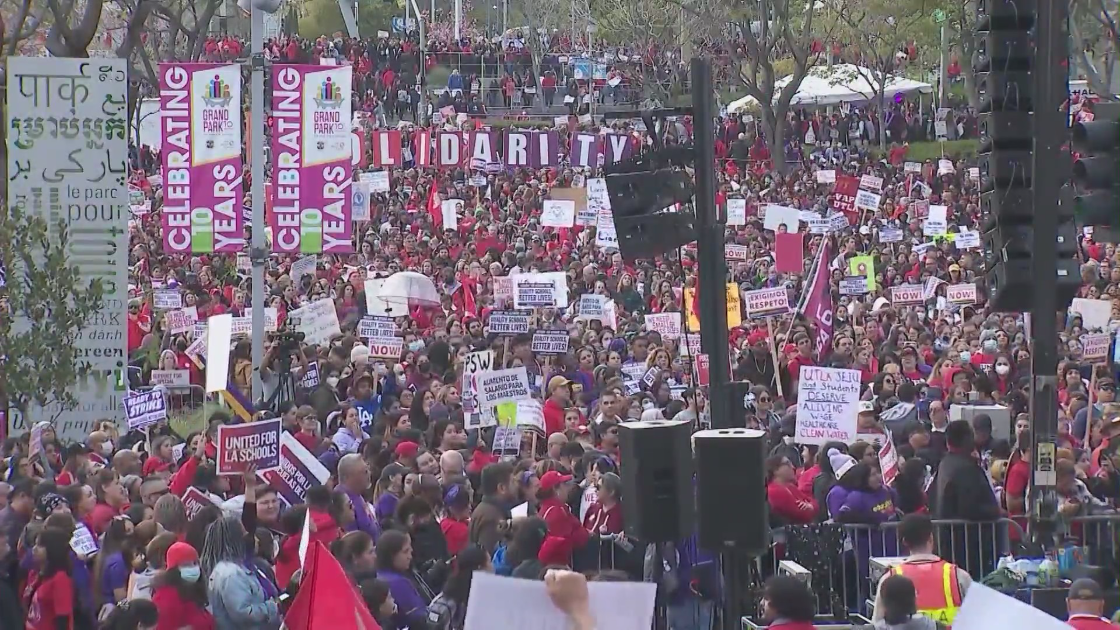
(552, 478)
(557, 381)
(407, 449)
(180, 554)
(954, 267)
(1085, 589)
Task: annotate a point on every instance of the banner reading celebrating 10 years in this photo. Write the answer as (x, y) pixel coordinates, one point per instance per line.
(311, 160)
(200, 121)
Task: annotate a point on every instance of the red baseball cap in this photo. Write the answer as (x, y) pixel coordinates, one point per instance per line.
(552, 478)
(407, 449)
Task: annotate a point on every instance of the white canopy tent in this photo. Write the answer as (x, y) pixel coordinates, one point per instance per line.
(843, 83)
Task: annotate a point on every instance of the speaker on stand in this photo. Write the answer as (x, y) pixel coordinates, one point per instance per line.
(732, 509)
(659, 498)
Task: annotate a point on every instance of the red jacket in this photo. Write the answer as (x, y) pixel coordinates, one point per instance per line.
(325, 530)
(456, 533)
(791, 504)
(565, 533)
(1089, 622)
(176, 613)
(553, 417)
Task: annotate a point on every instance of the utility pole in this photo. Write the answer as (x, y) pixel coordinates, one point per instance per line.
(1050, 76)
(712, 279)
(258, 254)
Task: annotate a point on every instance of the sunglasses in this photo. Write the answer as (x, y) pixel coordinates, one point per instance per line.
(764, 399)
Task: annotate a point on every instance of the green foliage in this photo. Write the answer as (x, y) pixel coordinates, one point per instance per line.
(42, 308)
(323, 17)
(922, 151)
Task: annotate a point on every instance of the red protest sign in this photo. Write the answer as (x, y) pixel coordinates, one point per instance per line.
(843, 198)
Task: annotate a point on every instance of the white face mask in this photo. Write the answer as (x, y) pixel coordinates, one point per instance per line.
(107, 447)
(190, 573)
(1002, 369)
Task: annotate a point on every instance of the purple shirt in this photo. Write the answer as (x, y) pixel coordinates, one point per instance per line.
(114, 575)
(363, 522)
(872, 507)
(386, 505)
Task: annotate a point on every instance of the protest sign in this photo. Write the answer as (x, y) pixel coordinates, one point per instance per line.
(736, 211)
(299, 471)
(969, 239)
(310, 378)
(826, 176)
(305, 266)
(509, 322)
(498, 385)
(374, 304)
(530, 413)
(767, 302)
(907, 294)
(537, 290)
(703, 370)
(1094, 346)
(960, 293)
(853, 285)
(870, 182)
(167, 299)
(372, 327)
(473, 363)
(385, 348)
(194, 500)
(143, 409)
(912, 167)
(82, 541)
(868, 200)
(318, 322)
(553, 341)
(890, 235)
(668, 325)
(559, 213)
(888, 460)
(827, 403)
(254, 443)
(735, 252)
(592, 306)
(171, 378)
(180, 321)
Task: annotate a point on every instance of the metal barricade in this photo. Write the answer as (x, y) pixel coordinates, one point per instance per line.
(839, 556)
(1098, 535)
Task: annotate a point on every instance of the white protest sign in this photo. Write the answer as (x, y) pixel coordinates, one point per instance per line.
(219, 332)
(318, 322)
(377, 327)
(593, 307)
(907, 294)
(167, 299)
(890, 235)
(558, 213)
(451, 209)
(912, 167)
(302, 267)
(888, 460)
(1094, 313)
(374, 304)
(826, 177)
(498, 385)
(360, 201)
(538, 290)
(383, 348)
(945, 167)
(480, 361)
(171, 378)
(937, 222)
(1094, 346)
(509, 322)
(870, 182)
(82, 541)
(180, 321)
(735, 252)
(781, 215)
(767, 302)
(143, 409)
(853, 285)
(960, 294)
(378, 182)
(606, 237)
(530, 413)
(736, 211)
(867, 200)
(827, 404)
(551, 341)
(967, 240)
(668, 325)
(599, 201)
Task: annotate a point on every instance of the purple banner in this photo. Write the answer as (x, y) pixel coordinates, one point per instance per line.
(311, 160)
(299, 471)
(200, 126)
(242, 445)
(617, 147)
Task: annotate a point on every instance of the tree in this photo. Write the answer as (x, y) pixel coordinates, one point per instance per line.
(961, 16)
(877, 33)
(1095, 43)
(324, 17)
(43, 308)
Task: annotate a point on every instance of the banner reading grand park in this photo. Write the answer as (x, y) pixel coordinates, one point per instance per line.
(311, 165)
(200, 121)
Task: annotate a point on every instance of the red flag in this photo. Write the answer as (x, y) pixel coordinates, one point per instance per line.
(817, 307)
(435, 207)
(326, 597)
(464, 295)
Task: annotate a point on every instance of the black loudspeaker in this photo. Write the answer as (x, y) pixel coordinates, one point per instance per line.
(731, 489)
(658, 497)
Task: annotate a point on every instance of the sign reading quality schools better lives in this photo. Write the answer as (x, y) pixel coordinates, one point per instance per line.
(251, 444)
(299, 471)
(200, 123)
(827, 403)
(143, 409)
(83, 183)
(311, 151)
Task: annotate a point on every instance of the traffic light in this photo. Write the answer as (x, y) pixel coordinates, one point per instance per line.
(1096, 175)
(640, 191)
(1004, 56)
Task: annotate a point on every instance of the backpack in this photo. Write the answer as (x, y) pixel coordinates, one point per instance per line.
(499, 561)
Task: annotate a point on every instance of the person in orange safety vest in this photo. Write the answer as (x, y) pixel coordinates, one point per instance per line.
(940, 585)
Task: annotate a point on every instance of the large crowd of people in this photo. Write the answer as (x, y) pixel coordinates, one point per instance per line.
(96, 532)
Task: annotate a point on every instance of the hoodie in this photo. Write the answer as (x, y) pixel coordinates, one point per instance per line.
(323, 529)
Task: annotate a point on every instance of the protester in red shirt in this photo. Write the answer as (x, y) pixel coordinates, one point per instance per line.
(179, 592)
(605, 514)
(787, 502)
(559, 397)
(112, 500)
(1085, 603)
(49, 595)
(565, 532)
(457, 521)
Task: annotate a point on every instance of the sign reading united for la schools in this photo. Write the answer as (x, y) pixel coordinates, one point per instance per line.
(550, 341)
(143, 409)
(509, 322)
(767, 302)
(499, 385)
(243, 445)
(299, 471)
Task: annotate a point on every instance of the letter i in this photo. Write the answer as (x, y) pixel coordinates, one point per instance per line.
(311, 231)
(202, 231)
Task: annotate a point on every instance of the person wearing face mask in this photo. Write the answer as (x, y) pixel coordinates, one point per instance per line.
(179, 592)
(1003, 380)
(987, 356)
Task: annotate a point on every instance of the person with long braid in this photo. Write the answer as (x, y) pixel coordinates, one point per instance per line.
(238, 600)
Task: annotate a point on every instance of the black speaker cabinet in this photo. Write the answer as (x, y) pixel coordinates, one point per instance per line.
(658, 497)
(731, 489)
